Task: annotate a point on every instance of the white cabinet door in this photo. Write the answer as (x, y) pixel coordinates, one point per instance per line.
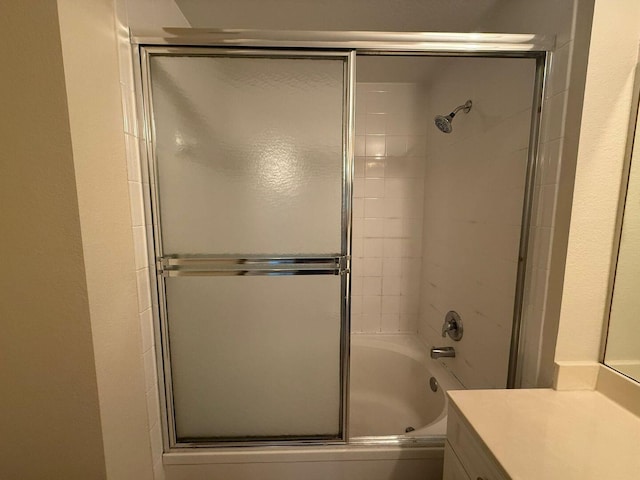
(469, 451)
(453, 469)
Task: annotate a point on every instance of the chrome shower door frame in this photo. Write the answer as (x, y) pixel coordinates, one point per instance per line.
(337, 263)
(348, 44)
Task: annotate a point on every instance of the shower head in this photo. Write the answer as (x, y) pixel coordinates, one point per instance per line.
(443, 122)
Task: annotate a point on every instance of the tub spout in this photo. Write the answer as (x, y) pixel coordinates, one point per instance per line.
(437, 352)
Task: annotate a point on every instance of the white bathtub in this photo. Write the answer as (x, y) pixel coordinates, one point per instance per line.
(389, 392)
(390, 388)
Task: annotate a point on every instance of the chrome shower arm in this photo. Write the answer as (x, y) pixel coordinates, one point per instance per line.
(466, 107)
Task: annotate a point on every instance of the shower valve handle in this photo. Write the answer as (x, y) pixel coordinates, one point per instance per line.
(452, 325)
(447, 326)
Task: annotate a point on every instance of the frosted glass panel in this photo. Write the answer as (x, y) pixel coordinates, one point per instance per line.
(255, 356)
(249, 154)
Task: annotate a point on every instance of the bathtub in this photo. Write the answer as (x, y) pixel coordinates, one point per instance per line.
(390, 391)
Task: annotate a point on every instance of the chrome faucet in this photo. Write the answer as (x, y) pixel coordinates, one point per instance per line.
(437, 352)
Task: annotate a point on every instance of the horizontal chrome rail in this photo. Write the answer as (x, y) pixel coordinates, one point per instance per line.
(433, 42)
(224, 265)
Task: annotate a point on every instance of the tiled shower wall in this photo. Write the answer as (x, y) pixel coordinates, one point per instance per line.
(474, 189)
(390, 148)
(141, 230)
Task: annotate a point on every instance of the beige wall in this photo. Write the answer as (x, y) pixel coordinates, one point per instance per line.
(97, 134)
(73, 395)
(49, 414)
(602, 145)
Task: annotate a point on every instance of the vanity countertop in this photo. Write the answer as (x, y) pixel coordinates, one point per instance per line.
(549, 434)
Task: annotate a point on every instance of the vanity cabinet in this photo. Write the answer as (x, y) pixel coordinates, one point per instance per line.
(453, 469)
(465, 457)
(540, 433)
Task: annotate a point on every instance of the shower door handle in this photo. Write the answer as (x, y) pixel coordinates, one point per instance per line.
(211, 265)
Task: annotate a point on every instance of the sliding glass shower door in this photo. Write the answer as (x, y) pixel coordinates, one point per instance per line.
(251, 191)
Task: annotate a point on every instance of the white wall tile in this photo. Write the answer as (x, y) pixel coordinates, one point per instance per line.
(359, 165)
(374, 227)
(394, 227)
(546, 206)
(391, 285)
(144, 163)
(376, 123)
(374, 168)
(138, 176)
(149, 360)
(133, 158)
(356, 300)
(158, 470)
(374, 188)
(372, 266)
(371, 304)
(153, 407)
(550, 165)
(373, 247)
(146, 326)
(396, 145)
(130, 111)
(390, 200)
(391, 267)
(359, 147)
(554, 116)
(372, 286)
(357, 207)
(374, 208)
(357, 226)
(392, 248)
(140, 247)
(137, 204)
(357, 323)
(416, 146)
(361, 118)
(390, 322)
(376, 101)
(393, 208)
(144, 289)
(559, 74)
(358, 188)
(375, 145)
(156, 442)
(357, 288)
(371, 322)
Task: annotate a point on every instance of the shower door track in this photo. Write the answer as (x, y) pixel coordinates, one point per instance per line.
(349, 43)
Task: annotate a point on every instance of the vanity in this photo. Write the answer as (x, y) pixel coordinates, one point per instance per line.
(540, 434)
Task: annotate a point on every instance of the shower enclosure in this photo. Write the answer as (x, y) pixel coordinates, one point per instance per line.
(252, 140)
